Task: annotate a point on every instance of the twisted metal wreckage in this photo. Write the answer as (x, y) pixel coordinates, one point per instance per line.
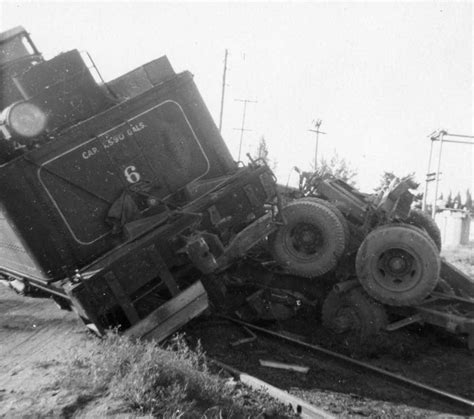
(122, 201)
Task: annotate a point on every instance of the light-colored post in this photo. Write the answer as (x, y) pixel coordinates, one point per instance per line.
(425, 194)
(441, 136)
(316, 151)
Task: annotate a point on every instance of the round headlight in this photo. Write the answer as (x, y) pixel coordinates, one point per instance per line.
(25, 119)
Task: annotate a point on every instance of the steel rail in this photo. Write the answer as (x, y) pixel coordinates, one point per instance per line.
(304, 409)
(451, 398)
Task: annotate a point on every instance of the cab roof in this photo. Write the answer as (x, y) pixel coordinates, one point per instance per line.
(11, 33)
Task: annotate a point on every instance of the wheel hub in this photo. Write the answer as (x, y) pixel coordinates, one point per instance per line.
(397, 264)
(306, 239)
(397, 269)
(346, 320)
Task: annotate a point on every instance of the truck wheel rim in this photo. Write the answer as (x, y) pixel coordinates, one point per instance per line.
(398, 269)
(305, 240)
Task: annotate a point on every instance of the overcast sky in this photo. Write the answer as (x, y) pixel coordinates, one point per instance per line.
(381, 75)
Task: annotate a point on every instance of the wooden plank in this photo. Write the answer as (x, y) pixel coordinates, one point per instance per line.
(404, 322)
(171, 315)
(178, 320)
(283, 366)
(122, 297)
(252, 337)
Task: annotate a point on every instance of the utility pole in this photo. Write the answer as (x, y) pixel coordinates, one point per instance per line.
(317, 124)
(242, 128)
(223, 90)
(430, 176)
(441, 138)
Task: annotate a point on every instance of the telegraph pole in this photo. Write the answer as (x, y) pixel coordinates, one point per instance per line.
(242, 128)
(223, 90)
(441, 138)
(317, 124)
(430, 176)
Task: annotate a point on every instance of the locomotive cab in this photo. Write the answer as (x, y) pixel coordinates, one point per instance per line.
(41, 97)
(18, 119)
(18, 53)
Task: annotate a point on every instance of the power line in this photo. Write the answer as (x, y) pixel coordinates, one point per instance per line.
(242, 128)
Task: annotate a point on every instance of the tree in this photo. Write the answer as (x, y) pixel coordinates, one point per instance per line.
(449, 200)
(263, 154)
(385, 181)
(468, 201)
(457, 200)
(336, 167)
(262, 149)
(388, 177)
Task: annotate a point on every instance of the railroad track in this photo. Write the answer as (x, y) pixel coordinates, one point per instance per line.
(461, 404)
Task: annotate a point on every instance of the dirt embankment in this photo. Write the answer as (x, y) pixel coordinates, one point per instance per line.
(51, 366)
(35, 339)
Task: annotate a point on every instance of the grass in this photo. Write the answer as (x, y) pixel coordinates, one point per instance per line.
(173, 382)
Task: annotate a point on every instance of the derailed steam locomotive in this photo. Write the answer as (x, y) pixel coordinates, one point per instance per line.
(117, 197)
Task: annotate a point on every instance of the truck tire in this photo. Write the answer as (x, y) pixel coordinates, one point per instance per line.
(339, 215)
(312, 241)
(419, 230)
(353, 312)
(398, 265)
(424, 221)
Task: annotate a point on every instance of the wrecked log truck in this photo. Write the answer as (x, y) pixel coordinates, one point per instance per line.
(384, 256)
(118, 198)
